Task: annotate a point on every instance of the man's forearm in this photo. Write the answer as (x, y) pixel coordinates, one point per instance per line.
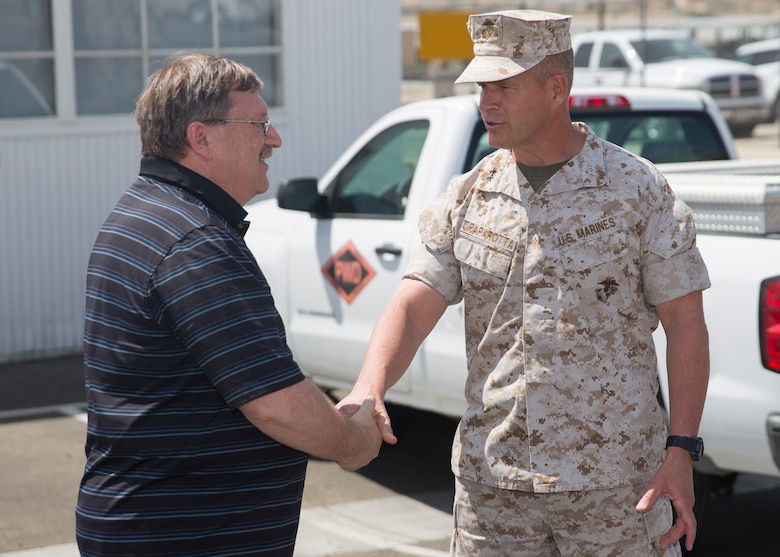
(687, 357)
(304, 418)
(408, 318)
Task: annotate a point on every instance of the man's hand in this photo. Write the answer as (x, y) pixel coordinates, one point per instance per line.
(674, 480)
(410, 315)
(350, 404)
(369, 437)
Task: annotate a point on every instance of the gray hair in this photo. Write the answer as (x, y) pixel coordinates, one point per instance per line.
(190, 87)
(561, 63)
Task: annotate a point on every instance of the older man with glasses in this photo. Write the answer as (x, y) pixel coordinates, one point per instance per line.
(200, 421)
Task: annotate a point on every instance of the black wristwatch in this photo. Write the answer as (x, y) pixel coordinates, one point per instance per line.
(694, 445)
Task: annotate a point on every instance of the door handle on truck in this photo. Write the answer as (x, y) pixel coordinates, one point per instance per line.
(388, 250)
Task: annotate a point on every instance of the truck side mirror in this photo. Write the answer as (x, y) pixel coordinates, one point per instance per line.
(300, 194)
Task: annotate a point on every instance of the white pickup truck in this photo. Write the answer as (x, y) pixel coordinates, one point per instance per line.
(668, 58)
(334, 250)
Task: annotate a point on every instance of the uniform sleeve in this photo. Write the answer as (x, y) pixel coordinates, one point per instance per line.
(209, 291)
(674, 266)
(435, 263)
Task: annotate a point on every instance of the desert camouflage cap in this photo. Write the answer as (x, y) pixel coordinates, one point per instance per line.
(507, 43)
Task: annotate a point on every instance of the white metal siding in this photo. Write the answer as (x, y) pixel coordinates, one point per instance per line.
(59, 179)
(56, 189)
(342, 72)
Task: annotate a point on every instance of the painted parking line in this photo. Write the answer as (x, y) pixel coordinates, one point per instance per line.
(391, 523)
(63, 550)
(18, 414)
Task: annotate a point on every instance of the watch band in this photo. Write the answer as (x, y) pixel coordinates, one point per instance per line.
(694, 445)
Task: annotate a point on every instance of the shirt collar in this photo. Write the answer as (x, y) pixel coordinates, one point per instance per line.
(172, 173)
(584, 170)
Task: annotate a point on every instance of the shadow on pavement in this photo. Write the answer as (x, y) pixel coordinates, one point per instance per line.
(418, 466)
(41, 383)
(744, 519)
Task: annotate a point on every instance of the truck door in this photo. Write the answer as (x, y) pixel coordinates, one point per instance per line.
(347, 265)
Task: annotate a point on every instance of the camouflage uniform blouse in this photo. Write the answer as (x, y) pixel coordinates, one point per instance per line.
(559, 288)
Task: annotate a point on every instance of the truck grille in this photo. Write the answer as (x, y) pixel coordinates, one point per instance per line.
(744, 85)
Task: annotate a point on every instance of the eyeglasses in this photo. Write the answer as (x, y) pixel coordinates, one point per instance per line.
(264, 123)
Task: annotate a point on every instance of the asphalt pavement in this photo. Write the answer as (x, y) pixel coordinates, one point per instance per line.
(39, 387)
(391, 507)
(399, 505)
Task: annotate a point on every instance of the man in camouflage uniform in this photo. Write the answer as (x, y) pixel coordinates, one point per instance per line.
(566, 251)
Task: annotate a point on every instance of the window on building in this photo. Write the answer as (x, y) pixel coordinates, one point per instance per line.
(117, 44)
(26, 59)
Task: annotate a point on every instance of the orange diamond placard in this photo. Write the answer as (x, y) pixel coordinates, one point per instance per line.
(348, 272)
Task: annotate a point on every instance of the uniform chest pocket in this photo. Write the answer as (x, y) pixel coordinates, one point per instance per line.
(597, 250)
(599, 274)
(482, 258)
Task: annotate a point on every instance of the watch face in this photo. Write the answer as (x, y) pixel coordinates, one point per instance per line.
(699, 448)
(695, 447)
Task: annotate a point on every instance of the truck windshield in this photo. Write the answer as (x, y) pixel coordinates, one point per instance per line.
(660, 137)
(662, 50)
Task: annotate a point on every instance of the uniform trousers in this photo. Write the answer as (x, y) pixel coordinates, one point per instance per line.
(494, 522)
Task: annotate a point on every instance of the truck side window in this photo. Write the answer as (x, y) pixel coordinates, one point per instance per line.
(662, 136)
(765, 57)
(611, 57)
(376, 181)
(582, 56)
(480, 147)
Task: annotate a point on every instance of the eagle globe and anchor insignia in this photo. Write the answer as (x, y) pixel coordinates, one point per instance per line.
(488, 30)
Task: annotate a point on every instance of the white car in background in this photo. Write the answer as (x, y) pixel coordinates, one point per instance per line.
(670, 59)
(764, 56)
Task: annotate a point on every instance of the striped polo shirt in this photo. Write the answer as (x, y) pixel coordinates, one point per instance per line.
(181, 330)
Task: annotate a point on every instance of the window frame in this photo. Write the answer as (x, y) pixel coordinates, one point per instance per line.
(64, 58)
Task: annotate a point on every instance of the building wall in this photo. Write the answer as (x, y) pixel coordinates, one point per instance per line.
(60, 177)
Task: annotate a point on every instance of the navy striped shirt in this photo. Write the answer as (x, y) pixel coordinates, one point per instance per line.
(181, 330)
